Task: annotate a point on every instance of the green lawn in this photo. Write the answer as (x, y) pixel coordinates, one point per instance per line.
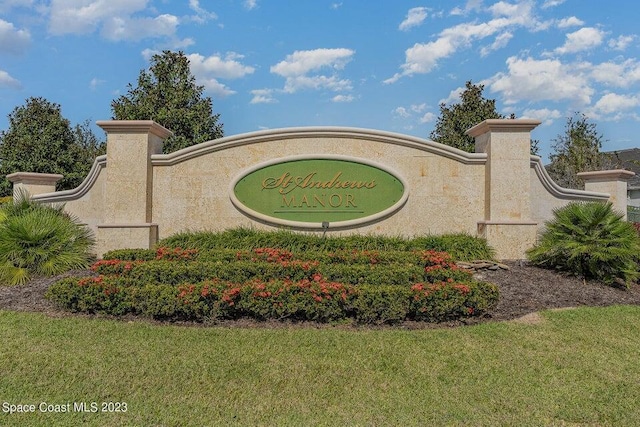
(578, 367)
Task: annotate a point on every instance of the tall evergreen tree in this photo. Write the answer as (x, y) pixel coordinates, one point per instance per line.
(39, 139)
(577, 150)
(456, 119)
(168, 94)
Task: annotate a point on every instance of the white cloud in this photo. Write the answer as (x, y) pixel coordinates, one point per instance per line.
(7, 81)
(148, 53)
(552, 3)
(250, 4)
(614, 104)
(343, 98)
(572, 21)
(584, 39)
(428, 118)
(471, 5)
(227, 67)
(263, 96)
(333, 83)
(500, 41)
(402, 112)
(415, 17)
(215, 88)
(13, 40)
(207, 71)
(412, 110)
(622, 74)
(543, 80)
(545, 115)
(422, 58)
(297, 67)
(454, 96)
(303, 61)
(85, 16)
(621, 43)
(202, 15)
(336, 5)
(117, 28)
(95, 82)
(116, 19)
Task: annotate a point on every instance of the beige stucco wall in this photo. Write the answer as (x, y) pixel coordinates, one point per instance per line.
(134, 196)
(546, 195)
(191, 188)
(87, 201)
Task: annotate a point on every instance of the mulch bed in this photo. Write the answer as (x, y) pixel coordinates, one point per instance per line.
(524, 289)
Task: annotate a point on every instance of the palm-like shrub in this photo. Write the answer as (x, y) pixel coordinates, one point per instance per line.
(40, 240)
(591, 240)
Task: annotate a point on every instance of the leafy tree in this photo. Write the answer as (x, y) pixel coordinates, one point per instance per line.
(85, 149)
(40, 139)
(456, 119)
(168, 94)
(577, 150)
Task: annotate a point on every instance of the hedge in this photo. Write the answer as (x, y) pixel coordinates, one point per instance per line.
(170, 272)
(317, 300)
(461, 246)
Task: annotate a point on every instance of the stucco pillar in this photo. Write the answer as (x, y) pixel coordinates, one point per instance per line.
(129, 184)
(613, 182)
(33, 183)
(507, 223)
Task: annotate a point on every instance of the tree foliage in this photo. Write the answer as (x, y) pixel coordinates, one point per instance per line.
(456, 119)
(39, 139)
(168, 94)
(577, 150)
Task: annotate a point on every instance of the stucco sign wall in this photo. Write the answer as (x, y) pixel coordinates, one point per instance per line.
(307, 191)
(343, 180)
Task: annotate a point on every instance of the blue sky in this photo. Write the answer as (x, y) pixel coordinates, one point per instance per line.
(378, 64)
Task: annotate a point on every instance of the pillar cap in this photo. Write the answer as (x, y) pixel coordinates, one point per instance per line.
(134, 126)
(34, 178)
(608, 175)
(503, 125)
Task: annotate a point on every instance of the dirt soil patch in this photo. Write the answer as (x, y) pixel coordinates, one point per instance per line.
(524, 290)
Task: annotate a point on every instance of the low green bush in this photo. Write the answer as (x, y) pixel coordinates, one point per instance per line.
(381, 304)
(173, 273)
(37, 239)
(130, 255)
(435, 302)
(589, 240)
(460, 246)
(317, 300)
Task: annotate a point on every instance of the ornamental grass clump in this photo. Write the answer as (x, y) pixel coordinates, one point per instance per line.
(591, 240)
(40, 240)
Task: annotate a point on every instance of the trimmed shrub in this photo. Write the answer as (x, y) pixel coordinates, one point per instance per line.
(317, 300)
(130, 255)
(171, 272)
(437, 302)
(589, 240)
(381, 304)
(460, 246)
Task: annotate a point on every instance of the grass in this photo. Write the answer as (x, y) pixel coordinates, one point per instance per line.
(578, 367)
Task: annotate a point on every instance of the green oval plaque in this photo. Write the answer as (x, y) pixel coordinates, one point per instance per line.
(306, 192)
